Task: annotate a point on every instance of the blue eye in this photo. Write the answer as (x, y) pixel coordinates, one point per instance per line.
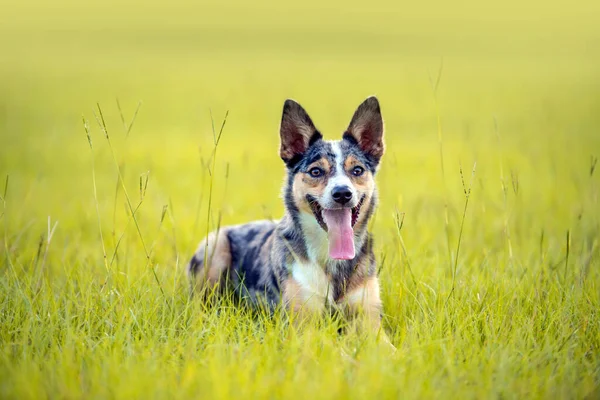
(358, 171)
(316, 172)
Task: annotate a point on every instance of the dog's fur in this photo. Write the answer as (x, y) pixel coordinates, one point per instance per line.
(287, 262)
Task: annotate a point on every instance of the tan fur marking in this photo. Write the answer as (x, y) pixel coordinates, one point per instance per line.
(305, 184)
(294, 298)
(218, 260)
(364, 183)
(292, 294)
(364, 297)
(364, 304)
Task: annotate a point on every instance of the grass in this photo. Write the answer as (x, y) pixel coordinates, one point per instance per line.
(490, 280)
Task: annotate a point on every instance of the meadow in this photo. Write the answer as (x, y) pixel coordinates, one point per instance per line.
(487, 234)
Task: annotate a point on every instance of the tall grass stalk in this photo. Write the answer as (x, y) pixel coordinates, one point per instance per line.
(127, 126)
(434, 87)
(3, 197)
(143, 182)
(399, 220)
(86, 127)
(49, 236)
(5, 218)
(211, 172)
(567, 252)
(101, 122)
(504, 193)
(467, 193)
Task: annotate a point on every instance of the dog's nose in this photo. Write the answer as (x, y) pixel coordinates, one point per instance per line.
(341, 194)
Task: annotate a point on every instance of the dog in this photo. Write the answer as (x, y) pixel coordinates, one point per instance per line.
(320, 254)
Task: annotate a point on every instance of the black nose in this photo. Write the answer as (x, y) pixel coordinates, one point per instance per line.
(341, 194)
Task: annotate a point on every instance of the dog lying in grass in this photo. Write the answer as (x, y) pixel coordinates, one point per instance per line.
(320, 254)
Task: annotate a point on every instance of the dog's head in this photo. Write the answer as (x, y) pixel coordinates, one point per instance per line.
(333, 181)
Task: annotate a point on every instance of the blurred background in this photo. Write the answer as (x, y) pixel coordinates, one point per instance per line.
(497, 101)
(512, 85)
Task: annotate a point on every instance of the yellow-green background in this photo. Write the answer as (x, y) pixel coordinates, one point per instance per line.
(519, 95)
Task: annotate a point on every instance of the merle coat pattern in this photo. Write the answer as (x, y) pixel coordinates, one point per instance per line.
(286, 262)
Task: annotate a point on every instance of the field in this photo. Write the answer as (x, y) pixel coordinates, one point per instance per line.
(488, 230)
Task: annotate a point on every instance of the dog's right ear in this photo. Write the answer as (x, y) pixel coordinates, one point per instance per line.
(297, 132)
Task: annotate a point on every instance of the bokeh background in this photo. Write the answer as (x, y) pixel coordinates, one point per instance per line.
(526, 72)
(512, 86)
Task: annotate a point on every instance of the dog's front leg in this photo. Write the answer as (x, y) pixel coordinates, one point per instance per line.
(365, 307)
(302, 306)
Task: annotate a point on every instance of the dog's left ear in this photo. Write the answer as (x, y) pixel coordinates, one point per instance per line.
(297, 132)
(366, 129)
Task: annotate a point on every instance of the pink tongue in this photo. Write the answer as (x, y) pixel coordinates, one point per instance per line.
(341, 235)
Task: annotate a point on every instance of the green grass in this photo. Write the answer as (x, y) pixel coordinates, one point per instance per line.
(510, 312)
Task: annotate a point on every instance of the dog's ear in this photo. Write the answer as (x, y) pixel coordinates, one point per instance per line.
(366, 129)
(297, 132)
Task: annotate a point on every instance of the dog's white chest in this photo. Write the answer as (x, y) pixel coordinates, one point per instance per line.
(314, 285)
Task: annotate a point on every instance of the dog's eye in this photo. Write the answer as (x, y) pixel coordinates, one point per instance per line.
(316, 172)
(358, 171)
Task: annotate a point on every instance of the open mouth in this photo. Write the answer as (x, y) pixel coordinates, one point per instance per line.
(318, 211)
(339, 225)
